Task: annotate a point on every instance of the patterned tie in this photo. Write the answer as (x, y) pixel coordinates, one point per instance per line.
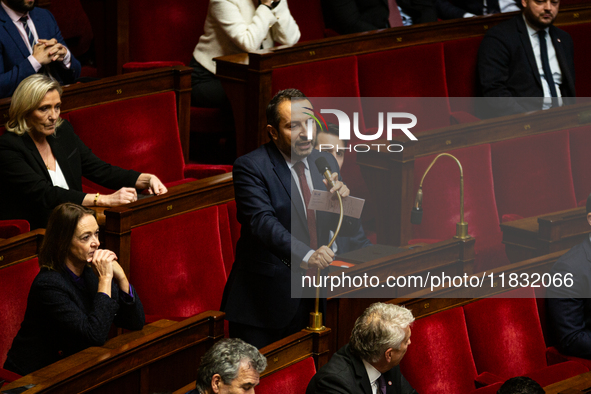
(394, 18)
(546, 66)
(28, 31)
(300, 170)
(382, 384)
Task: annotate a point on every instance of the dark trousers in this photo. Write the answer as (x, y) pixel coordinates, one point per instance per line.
(261, 337)
(206, 89)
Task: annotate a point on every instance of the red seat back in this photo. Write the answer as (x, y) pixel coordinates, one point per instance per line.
(73, 24)
(441, 202)
(440, 360)
(15, 282)
(177, 265)
(412, 72)
(505, 334)
(152, 24)
(532, 175)
(12, 228)
(226, 237)
(293, 379)
(461, 58)
(234, 224)
(581, 35)
(140, 134)
(580, 146)
(308, 16)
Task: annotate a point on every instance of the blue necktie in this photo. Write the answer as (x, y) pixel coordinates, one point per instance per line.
(546, 66)
(28, 31)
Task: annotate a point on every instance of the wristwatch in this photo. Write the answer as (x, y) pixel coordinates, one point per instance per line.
(273, 4)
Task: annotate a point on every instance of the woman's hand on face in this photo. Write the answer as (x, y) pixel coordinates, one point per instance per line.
(102, 263)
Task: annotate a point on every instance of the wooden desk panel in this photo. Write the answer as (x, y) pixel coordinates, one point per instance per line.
(162, 357)
(540, 235)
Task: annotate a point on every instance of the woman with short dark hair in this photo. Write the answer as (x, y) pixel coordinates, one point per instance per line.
(79, 293)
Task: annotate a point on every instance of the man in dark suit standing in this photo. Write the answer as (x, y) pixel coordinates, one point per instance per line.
(569, 305)
(31, 42)
(280, 239)
(369, 364)
(527, 57)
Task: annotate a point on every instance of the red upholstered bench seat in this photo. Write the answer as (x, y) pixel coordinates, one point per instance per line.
(140, 134)
(15, 282)
(12, 228)
(293, 379)
(484, 343)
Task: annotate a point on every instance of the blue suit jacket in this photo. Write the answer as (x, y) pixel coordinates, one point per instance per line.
(273, 240)
(14, 65)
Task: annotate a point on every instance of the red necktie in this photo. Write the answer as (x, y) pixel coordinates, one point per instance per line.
(394, 17)
(300, 170)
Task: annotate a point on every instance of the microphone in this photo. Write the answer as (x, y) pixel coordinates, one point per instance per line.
(324, 169)
(416, 215)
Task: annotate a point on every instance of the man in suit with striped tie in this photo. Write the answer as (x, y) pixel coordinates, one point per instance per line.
(31, 42)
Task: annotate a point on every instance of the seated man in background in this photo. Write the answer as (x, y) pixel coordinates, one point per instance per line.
(379, 340)
(31, 42)
(569, 307)
(526, 63)
(230, 366)
(327, 140)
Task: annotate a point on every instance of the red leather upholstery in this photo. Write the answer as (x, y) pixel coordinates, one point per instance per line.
(15, 282)
(580, 146)
(417, 71)
(440, 360)
(293, 379)
(177, 265)
(234, 224)
(580, 34)
(441, 203)
(308, 16)
(506, 339)
(147, 137)
(226, 238)
(460, 72)
(12, 228)
(532, 175)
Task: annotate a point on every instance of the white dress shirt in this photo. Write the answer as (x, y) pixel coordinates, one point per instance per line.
(373, 375)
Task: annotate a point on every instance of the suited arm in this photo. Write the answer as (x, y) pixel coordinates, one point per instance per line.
(131, 311)
(346, 16)
(448, 10)
(493, 71)
(10, 78)
(258, 214)
(332, 383)
(568, 315)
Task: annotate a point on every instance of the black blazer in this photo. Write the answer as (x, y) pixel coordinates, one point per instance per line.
(507, 67)
(274, 238)
(447, 9)
(345, 373)
(63, 318)
(569, 308)
(14, 65)
(27, 191)
(355, 16)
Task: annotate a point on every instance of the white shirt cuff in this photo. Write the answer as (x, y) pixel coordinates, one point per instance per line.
(304, 263)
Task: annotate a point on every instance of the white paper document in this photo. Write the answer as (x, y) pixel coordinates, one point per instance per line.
(322, 201)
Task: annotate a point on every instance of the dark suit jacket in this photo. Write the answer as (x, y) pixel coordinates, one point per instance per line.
(507, 67)
(345, 373)
(27, 191)
(569, 308)
(63, 318)
(273, 240)
(349, 244)
(356, 16)
(456, 9)
(14, 66)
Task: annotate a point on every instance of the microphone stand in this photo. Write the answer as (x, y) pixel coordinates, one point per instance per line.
(461, 227)
(316, 316)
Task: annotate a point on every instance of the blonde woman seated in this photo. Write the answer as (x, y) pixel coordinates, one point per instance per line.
(79, 293)
(42, 161)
